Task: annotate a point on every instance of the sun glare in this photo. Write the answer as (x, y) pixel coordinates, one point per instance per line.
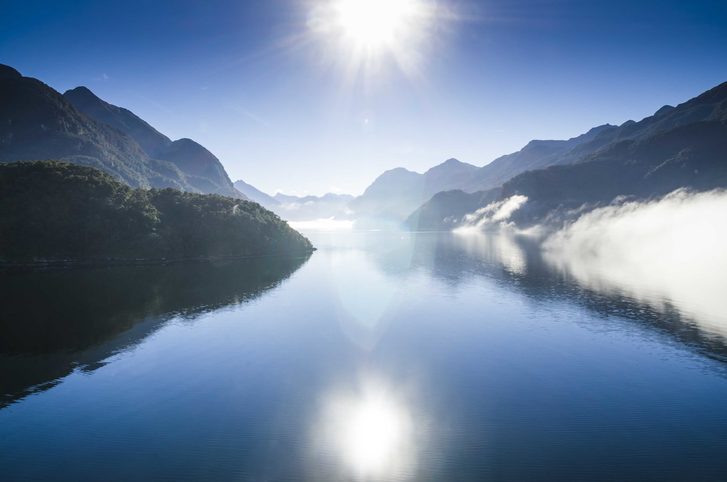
(372, 436)
(372, 433)
(374, 24)
(363, 36)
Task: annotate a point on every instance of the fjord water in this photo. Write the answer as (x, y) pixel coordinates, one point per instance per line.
(383, 356)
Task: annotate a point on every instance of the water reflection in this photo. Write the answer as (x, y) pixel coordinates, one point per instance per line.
(368, 433)
(54, 322)
(502, 248)
(692, 310)
(688, 307)
(422, 357)
(366, 294)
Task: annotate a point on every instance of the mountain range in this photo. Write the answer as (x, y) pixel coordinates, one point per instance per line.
(396, 193)
(300, 208)
(37, 122)
(677, 147)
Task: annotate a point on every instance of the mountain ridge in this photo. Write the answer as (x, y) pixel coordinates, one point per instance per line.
(203, 171)
(677, 147)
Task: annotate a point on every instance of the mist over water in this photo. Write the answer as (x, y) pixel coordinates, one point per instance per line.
(668, 253)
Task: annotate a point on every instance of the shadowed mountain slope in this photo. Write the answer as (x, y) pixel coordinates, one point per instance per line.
(202, 170)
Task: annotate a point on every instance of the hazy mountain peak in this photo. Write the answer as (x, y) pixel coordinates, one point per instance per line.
(664, 110)
(7, 72)
(397, 170)
(450, 166)
(255, 194)
(452, 161)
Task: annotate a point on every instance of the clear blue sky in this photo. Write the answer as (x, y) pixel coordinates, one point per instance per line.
(251, 82)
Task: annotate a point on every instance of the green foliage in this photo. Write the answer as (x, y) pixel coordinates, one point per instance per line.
(56, 210)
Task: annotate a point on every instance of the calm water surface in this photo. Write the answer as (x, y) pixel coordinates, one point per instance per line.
(384, 356)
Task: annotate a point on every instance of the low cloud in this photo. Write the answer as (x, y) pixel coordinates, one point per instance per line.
(667, 253)
(494, 214)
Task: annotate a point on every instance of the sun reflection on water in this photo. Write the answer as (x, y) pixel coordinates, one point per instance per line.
(369, 432)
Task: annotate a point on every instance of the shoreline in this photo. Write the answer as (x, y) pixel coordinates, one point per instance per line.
(69, 263)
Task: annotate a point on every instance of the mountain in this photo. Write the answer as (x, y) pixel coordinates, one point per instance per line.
(59, 211)
(397, 192)
(148, 138)
(447, 209)
(36, 122)
(306, 208)
(254, 194)
(677, 147)
(300, 208)
(536, 154)
(692, 156)
(328, 197)
(202, 170)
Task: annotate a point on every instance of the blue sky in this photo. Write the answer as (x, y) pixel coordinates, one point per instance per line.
(251, 82)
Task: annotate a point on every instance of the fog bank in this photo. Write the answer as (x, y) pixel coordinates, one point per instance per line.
(671, 252)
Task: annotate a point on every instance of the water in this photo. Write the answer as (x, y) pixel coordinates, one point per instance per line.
(385, 356)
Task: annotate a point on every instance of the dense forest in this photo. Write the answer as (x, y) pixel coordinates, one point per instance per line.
(52, 210)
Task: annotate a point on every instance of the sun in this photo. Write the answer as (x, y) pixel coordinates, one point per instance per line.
(366, 39)
(374, 24)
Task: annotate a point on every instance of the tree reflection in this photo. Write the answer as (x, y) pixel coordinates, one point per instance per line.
(53, 322)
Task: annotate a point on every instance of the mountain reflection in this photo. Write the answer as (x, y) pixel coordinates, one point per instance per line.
(520, 264)
(54, 322)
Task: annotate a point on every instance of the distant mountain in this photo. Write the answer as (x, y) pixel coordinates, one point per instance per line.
(677, 147)
(329, 197)
(692, 156)
(295, 208)
(202, 170)
(536, 154)
(396, 193)
(447, 209)
(300, 208)
(254, 194)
